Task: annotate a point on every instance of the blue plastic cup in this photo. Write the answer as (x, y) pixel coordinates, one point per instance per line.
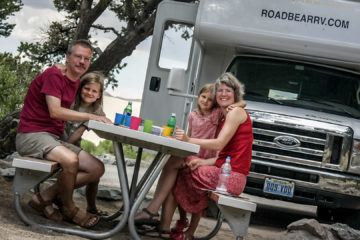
(119, 119)
(127, 120)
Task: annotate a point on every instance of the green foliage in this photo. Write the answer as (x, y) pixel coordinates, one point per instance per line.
(106, 146)
(8, 8)
(88, 146)
(129, 151)
(133, 22)
(15, 78)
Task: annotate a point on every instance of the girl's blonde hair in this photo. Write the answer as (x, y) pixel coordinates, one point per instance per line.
(231, 81)
(206, 88)
(91, 77)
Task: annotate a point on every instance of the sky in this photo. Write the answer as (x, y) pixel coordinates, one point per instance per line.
(36, 15)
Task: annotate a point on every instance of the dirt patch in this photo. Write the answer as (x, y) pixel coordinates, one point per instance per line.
(11, 227)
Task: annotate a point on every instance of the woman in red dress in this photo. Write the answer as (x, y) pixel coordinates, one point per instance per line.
(234, 140)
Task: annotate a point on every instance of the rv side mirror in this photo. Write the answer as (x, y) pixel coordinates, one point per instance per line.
(176, 79)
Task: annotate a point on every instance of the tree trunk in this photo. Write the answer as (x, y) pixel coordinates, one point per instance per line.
(8, 129)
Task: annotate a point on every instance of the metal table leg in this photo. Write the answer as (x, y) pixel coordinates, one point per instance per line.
(154, 173)
(120, 158)
(135, 176)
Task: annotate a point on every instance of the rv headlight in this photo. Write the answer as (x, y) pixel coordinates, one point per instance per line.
(355, 157)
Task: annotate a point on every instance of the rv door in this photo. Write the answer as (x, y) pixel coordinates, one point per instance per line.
(171, 49)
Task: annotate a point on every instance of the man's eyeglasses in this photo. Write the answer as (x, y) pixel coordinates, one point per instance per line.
(86, 59)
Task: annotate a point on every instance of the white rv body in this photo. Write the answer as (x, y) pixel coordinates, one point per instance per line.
(310, 34)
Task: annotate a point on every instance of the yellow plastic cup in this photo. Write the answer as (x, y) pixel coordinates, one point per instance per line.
(167, 131)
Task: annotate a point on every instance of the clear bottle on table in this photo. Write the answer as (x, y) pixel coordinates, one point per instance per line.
(172, 123)
(224, 176)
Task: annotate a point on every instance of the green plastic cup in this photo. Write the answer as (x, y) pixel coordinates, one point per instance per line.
(148, 125)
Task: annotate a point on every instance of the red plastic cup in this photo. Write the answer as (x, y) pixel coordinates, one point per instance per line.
(135, 123)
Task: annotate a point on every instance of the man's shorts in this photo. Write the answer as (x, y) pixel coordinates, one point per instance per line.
(39, 144)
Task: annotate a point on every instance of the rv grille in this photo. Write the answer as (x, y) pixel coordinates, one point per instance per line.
(290, 141)
(312, 144)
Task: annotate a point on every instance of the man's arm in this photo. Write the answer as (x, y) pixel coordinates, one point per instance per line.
(61, 113)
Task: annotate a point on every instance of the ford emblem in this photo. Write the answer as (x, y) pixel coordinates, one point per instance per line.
(287, 142)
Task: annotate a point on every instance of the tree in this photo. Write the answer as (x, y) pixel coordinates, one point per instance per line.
(8, 8)
(15, 77)
(136, 18)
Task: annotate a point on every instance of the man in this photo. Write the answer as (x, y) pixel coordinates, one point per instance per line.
(42, 121)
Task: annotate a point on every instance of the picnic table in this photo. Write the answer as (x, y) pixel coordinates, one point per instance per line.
(31, 172)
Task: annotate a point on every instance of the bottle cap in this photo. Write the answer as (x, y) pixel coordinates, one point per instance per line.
(228, 159)
(173, 115)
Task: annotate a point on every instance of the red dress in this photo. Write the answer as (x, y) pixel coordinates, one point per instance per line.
(188, 189)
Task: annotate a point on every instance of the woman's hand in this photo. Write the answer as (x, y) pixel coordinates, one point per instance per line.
(180, 134)
(194, 163)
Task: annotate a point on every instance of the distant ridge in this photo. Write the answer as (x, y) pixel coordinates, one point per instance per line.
(125, 99)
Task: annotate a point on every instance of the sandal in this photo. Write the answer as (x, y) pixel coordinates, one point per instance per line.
(58, 203)
(148, 221)
(42, 206)
(81, 218)
(180, 236)
(157, 233)
(98, 212)
(180, 225)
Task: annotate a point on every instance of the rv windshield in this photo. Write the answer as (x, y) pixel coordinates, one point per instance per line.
(299, 85)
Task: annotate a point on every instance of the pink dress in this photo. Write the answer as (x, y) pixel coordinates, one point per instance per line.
(205, 127)
(188, 189)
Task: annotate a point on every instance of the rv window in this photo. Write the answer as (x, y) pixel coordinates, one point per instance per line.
(176, 45)
(299, 85)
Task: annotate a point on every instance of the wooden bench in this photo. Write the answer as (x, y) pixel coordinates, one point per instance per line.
(30, 172)
(235, 210)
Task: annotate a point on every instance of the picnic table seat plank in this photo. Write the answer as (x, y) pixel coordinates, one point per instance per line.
(35, 164)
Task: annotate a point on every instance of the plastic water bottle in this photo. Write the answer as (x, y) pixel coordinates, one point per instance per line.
(172, 122)
(224, 176)
(127, 111)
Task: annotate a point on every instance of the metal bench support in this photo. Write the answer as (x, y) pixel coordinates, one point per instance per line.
(236, 211)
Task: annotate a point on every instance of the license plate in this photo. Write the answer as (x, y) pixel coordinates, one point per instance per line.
(279, 187)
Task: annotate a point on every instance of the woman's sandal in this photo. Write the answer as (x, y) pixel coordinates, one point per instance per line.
(80, 218)
(98, 212)
(149, 220)
(157, 233)
(43, 206)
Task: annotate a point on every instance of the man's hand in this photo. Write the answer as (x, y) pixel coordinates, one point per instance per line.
(180, 134)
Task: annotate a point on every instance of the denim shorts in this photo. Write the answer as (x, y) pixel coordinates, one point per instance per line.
(38, 144)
